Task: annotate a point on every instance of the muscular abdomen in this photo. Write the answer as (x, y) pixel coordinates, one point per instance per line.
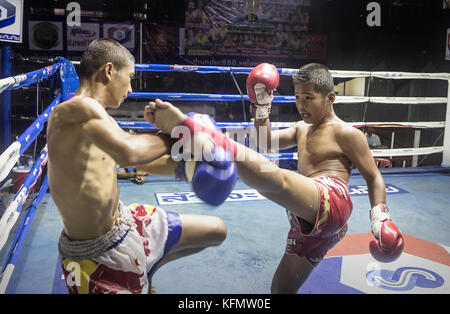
(339, 167)
(319, 154)
(83, 185)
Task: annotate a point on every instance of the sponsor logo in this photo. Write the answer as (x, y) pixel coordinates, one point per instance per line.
(183, 68)
(357, 190)
(8, 13)
(190, 197)
(83, 33)
(404, 278)
(121, 34)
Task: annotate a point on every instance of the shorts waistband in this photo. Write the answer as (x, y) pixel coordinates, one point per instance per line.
(88, 249)
(341, 181)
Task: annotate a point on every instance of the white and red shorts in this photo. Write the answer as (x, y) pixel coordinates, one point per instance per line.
(122, 260)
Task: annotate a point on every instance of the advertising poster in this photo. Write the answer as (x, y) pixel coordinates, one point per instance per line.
(123, 33)
(266, 28)
(11, 20)
(45, 35)
(79, 37)
(161, 43)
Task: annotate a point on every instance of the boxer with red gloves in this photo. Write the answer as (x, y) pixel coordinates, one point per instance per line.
(316, 197)
(261, 83)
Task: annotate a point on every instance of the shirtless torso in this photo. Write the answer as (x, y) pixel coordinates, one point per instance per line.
(83, 178)
(85, 146)
(319, 152)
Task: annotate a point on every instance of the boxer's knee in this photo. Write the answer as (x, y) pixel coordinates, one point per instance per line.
(201, 231)
(217, 232)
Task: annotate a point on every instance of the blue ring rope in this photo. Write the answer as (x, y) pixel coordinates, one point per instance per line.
(203, 97)
(24, 225)
(29, 78)
(143, 125)
(31, 133)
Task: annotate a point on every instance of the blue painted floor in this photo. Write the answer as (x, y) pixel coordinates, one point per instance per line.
(257, 229)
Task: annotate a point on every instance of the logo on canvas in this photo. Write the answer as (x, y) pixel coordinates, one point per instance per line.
(404, 278)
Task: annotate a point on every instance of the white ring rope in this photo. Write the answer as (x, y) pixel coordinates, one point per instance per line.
(390, 100)
(290, 71)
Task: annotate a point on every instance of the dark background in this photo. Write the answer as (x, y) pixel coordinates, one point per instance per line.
(411, 36)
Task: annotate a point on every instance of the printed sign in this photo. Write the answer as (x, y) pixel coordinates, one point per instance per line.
(45, 35)
(190, 197)
(123, 33)
(11, 20)
(357, 190)
(267, 28)
(79, 37)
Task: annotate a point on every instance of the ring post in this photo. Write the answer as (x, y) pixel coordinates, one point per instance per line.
(69, 79)
(5, 116)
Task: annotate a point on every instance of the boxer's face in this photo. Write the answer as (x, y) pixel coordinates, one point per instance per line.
(120, 85)
(311, 104)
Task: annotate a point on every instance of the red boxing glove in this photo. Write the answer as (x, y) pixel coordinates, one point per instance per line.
(261, 82)
(388, 244)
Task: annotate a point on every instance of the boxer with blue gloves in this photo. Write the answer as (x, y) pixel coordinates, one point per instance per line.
(116, 247)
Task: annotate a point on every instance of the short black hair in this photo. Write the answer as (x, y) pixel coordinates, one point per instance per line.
(100, 52)
(316, 74)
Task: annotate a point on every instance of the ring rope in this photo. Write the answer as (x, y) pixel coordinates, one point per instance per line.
(394, 152)
(19, 237)
(21, 80)
(285, 71)
(285, 99)
(142, 125)
(11, 214)
(12, 154)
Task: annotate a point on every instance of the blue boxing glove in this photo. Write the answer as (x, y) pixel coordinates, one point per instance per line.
(213, 179)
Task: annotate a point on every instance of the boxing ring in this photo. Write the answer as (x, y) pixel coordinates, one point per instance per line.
(257, 228)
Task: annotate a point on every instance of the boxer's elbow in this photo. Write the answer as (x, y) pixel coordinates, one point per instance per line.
(127, 156)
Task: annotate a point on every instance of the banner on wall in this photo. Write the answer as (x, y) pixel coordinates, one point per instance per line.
(11, 20)
(266, 28)
(161, 42)
(79, 37)
(45, 35)
(123, 33)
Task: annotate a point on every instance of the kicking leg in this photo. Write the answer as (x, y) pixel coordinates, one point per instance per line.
(289, 189)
